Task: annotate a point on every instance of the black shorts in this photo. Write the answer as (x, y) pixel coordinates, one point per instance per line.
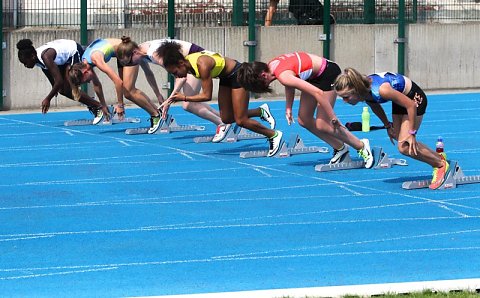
(416, 94)
(325, 81)
(231, 80)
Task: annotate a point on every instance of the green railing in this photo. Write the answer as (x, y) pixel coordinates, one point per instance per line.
(153, 13)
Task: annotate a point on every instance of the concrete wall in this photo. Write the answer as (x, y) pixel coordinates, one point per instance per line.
(439, 56)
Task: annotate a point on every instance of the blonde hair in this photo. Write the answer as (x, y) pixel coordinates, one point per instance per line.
(353, 80)
(125, 50)
(75, 76)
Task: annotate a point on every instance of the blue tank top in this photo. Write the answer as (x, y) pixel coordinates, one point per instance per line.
(396, 81)
(100, 45)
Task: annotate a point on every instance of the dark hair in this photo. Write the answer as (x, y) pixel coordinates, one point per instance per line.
(249, 77)
(25, 49)
(171, 53)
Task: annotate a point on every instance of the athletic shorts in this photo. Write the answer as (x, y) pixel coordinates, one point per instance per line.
(325, 80)
(417, 94)
(231, 80)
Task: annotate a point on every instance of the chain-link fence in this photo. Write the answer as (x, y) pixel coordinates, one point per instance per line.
(153, 13)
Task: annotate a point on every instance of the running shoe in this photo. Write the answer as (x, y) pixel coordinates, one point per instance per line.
(97, 114)
(154, 124)
(275, 143)
(221, 133)
(439, 174)
(267, 116)
(366, 154)
(339, 155)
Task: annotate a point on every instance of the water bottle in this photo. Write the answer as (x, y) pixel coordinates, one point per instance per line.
(439, 145)
(365, 120)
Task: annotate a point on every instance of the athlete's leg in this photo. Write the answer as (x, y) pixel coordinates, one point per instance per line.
(129, 76)
(322, 127)
(201, 109)
(424, 153)
(240, 109)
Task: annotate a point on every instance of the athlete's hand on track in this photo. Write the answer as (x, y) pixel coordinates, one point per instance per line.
(45, 106)
(120, 111)
(289, 117)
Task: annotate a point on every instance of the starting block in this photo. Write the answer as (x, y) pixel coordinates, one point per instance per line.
(234, 134)
(454, 177)
(294, 146)
(167, 125)
(113, 120)
(382, 161)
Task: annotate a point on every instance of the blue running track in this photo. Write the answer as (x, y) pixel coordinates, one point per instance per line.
(89, 211)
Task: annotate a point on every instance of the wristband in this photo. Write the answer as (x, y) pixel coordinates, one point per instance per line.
(185, 98)
(412, 132)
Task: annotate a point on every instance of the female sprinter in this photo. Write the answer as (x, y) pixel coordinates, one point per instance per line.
(130, 53)
(54, 59)
(409, 103)
(98, 53)
(232, 98)
(313, 76)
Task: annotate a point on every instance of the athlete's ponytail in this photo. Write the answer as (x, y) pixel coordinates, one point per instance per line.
(125, 50)
(25, 49)
(352, 79)
(75, 78)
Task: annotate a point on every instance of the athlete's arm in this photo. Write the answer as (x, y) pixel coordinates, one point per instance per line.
(289, 97)
(205, 65)
(48, 57)
(386, 91)
(151, 80)
(98, 59)
(380, 112)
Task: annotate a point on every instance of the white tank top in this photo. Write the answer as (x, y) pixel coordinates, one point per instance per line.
(155, 44)
(65, 49)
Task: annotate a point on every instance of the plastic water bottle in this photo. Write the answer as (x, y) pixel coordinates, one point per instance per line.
(439, 145)
(365, 120)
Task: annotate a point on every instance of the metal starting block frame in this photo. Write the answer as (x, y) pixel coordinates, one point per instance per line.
(294, 146)
(382, 161)
(235, 133)
(455, 176)
(113, 120)
(167, 125)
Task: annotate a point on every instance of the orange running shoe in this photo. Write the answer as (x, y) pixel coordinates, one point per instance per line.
(439, 174)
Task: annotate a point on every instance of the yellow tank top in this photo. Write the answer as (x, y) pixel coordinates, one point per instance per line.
(216, 70)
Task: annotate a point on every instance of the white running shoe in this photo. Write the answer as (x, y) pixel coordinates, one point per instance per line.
(267, 116)
(366, 154)
(339, 155)
(154, 124)
(98, 115)
(275, 143)
(221, 133)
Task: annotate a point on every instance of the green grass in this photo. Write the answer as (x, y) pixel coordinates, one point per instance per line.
(424, 294)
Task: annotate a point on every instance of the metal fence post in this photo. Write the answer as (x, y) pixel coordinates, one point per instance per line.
(252, 43)
(83, 32)
(326, 28)
(369, 11)
(171, 34)
(401, 37)
(237, 13)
